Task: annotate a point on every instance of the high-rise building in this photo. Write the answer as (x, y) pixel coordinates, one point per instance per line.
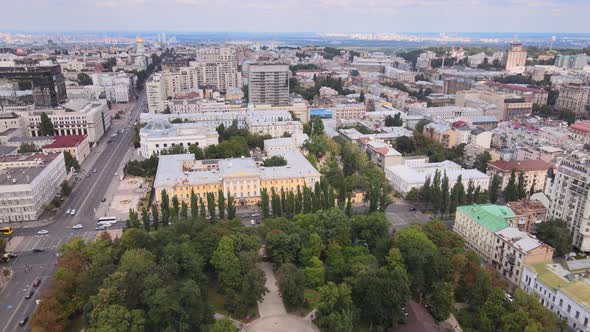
(569, 198)
(578, 61)
(573, 98)
(39, 84)
(156, 93)
(514, 57)
(268, 84)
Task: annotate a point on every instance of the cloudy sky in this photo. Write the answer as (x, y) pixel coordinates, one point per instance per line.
(297, 15)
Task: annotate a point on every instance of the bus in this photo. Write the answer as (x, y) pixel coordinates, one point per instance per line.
(6, 231)
(110, 220)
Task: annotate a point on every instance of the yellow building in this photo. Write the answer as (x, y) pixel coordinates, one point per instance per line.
(244, 178)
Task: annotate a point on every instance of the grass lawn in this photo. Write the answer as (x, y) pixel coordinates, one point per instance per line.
(217, 301)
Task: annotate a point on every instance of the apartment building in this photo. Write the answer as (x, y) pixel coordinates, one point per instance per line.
(158, 135)
(488, 230)
(268, 84)
(156, 94)
(76, 117)
(514, 58)
(574, 98)
(580, 132)
(119, 87)
(27, 183)
(41, 84)
(508, 106)
(349, 111)
(534, 95)
(535, 172)
(578, 61)
(563, 288)
(529, 213)
(244, 178)
(569, 198)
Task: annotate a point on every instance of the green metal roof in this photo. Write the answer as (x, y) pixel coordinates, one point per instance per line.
(493, 217)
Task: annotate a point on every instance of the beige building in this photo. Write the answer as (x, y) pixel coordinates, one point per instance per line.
(244, 178)
(574, 98)
(76, 145)
(507, 106)
(535, 172)
(515, 58)
(487, 229)
(349, 111)
(261, 126)
(529, 213)
(156, 94)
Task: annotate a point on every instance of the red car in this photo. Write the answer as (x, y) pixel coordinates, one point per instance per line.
(37, 283)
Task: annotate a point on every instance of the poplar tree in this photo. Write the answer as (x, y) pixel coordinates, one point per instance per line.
(221, 204)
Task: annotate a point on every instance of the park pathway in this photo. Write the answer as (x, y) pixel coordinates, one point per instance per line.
(272, 303)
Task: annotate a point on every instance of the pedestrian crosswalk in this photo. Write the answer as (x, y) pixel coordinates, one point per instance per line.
(46, 242)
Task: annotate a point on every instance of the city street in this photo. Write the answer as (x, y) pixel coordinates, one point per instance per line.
(400, 216)
(85, 199)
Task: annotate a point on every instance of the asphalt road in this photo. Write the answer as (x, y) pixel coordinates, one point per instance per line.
(85, 198)
(400, 216)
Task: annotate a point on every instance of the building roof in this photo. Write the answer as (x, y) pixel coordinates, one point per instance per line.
(519, 240)
(493, 217)
(520, 207)
(69, 141)
(523, 165)
(581, 126)
(570, 282)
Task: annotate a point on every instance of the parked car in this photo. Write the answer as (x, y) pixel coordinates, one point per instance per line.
(43, 232)
(73, 212)
(252, 222)
(68, 211)
(78, 226)
(38, 250)
(412, 209)
(94, 171)
(37, 283)
(29, 295)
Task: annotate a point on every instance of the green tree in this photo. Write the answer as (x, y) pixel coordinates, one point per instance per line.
(481, 161)
(275, 161)
(221, 204)
(291, 282)
(117, 318)
(470, 198)
(145, 219)
(264, 203)
(511, 191)
(202, 210)
(231, 206)
(283, 247)
(457, 195)
(555, 233)
(71, 162)
(133, 218)
(445, 198)
(27, 147)
(335, 310)
(312, 248)
(307, 204)
(211, 206)
(223, 325)
(46, 126)
(156, 216)
(522, 185)
(183, 211)
(227, 264)
(165, 207)
(175, 207)
(66, 189)
(380, 295)
(84, 79)
(494, 188)
(441, 300)
(194, 204)
(314, 273)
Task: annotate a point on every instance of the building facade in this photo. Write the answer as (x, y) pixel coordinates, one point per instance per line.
(158, 135)
(268, 84)
(535, 172)
(76, 145)
(42, 85)
(27, 183)
(514, 58)
(573, 98)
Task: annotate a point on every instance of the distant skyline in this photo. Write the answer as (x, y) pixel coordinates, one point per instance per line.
(559, 16)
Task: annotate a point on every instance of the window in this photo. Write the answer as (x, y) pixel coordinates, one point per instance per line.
(569, 308)
(577, 314)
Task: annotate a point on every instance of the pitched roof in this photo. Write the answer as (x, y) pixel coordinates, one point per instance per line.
(522, 165)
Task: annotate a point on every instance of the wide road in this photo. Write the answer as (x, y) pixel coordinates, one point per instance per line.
(85, 198)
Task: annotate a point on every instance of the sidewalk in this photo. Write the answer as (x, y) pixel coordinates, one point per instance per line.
(272, 303)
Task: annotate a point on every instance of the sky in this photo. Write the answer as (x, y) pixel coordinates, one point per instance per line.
(296, 15)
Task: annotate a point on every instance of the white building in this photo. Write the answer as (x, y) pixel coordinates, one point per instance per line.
(292, 143)
(446, 112)
(27, 183)
(404, 178)
(261, 126)
(563, 288)
(569, 197)
(118, 87)
(155, 90)
(161, 134)
(76, 117)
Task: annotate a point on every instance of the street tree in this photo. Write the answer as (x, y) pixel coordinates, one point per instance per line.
(46, 126)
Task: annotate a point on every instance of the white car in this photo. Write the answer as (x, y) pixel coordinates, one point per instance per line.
(43, 232)
(78, 226)
(73, 212)
(68, 211)
(114, 135)
(252, 222)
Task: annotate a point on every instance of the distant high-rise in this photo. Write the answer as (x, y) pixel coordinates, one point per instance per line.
(574, 98)
(39, 84)
(268, 84)
(514, 57)
(578, 61)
